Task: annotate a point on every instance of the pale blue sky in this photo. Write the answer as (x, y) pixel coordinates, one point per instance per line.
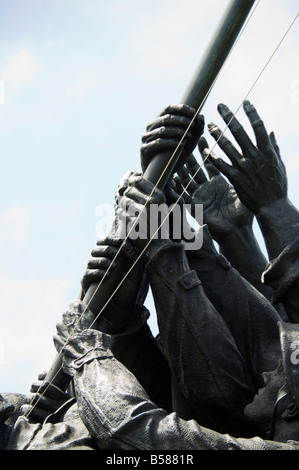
(80, 80)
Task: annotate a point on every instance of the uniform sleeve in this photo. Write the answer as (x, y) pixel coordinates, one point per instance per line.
(118, 413)
(282, 274)
(203, 355)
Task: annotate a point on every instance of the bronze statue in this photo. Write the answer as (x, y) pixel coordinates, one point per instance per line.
(223, 372)
(219, 340)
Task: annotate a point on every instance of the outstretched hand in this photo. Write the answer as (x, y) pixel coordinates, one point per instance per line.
(258, 173)
(223, 211)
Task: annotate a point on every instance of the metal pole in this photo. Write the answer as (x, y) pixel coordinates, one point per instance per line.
(196, 94)
(204, 77)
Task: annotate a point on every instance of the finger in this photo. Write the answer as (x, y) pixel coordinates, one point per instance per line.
(42, 375)
(180, 109)
(173, 195)
(58, 342)
(62, 330)
(169, 120)
(147, 188)
(274, 143)
(187, 182)
(196, 130)
(203, 147)
(195, 170)
(124, 181)
(92, 276)
(202, 144)
(181, 191)
(101, 263)
(102, 251)
(135, 215)
(47, 390)
(42, 401)
(260, 132)
(185, 111)
(235, 127)
(160, 145)
(210, 168)
(37, 387)
(224, 143)
(35, 413)
(56, 394)
(223, 167)
(166, 133)
(183, 176)
(138, 197)
(109, 241)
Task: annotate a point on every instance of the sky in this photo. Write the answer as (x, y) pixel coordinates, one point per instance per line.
(79, 82)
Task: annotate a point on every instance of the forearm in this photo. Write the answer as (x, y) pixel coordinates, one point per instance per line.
(190, 327)
(250, 318)
(282, 275)
(241, 249)
(119, 415)
(139, 351)
(279, 224)
(115, 408)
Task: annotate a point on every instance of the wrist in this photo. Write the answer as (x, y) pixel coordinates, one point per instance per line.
(147, 248)
(279, 224)
(85, 347)
(274, 207)
(158, 246)
(241, 248)
(235, 233)
(242, 234)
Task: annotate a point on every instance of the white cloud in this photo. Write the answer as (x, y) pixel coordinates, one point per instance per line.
(20, 69)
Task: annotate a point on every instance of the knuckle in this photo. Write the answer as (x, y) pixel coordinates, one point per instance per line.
(167, 119)
(258, 123)
(224, 141)
(166, 109)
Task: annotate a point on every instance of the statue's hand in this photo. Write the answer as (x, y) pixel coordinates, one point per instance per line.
(165, 132)
(135, 211)
(258, 174)
(103, 261)
(43, 400)
(223, 211)
(74, 320)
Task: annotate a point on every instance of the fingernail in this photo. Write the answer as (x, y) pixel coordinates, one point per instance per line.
(246, 104)
(212, 127)
(223, 108)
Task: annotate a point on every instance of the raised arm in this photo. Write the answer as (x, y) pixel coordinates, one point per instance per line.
(259, 177)
(229, 221)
